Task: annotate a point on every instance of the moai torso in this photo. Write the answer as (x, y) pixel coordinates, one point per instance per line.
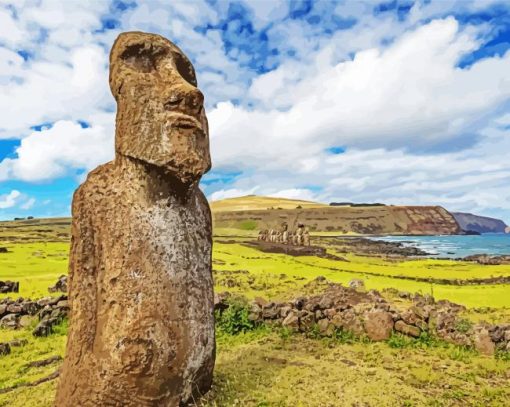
(142, 327)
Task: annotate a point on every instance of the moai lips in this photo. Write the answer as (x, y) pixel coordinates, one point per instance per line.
(140, 284)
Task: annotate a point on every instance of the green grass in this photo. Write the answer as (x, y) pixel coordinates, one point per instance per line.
(266, 269)
(14, 370)
(35, 265)
(264, 366)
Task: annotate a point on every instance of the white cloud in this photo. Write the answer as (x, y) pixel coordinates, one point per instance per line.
(28, 204)
(295, 193)
(231, 193)
(9, 200)
(53, 152)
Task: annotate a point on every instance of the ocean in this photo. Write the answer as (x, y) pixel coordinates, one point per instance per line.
(456, 246)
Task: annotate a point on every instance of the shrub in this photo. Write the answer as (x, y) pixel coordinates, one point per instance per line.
(463, 325)
(503, 355)
(344, 336)
(398, 341)
(235, 319)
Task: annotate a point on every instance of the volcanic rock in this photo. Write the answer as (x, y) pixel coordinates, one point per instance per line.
(378, 325)
(140, 284)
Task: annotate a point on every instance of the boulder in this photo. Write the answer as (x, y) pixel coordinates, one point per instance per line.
(10, 321)
(357, 284)
(406, 329)
(378, 325)
(60, 285)
(483, 343)
(326, 328)
(5, 349)
(291, 321)
(348, 320)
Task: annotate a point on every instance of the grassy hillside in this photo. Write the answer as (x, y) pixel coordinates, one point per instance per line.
(271, 366)
(398, 220)
(254, 202)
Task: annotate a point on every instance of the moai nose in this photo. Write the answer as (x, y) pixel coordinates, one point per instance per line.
(185, 99)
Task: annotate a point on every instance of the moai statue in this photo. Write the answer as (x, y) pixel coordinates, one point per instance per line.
(141, 291)
(285, 234)
(306, 237)
(299, 235)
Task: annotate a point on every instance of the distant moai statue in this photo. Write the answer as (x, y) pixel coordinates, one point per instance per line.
(285, 234)
(299, 235)
(306, 237)
(141, 291)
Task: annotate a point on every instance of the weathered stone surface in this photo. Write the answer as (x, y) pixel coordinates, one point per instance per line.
(5, 348)
(378, 325)
(9, 286)
(60, 285)
(407, 329)
(291, 321)
(140, 283)
(357, 284)
(326, 328)
(483, 343)
(10, 321)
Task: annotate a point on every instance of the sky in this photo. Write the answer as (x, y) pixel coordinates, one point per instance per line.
(399, 102)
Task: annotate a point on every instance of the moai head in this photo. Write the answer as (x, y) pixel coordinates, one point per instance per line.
(160, 114)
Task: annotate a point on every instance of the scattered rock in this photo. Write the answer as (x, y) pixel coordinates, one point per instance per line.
(407, 329)
(326, 328)
(483, 343)
(9, 287)
(10, 321)
(291, 321)
(378, 325)
(5, 349)
(357, 284)
(18, 342)
(60, 285)
(44, 362)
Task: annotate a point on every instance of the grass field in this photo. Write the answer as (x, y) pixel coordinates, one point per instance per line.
(270, 366)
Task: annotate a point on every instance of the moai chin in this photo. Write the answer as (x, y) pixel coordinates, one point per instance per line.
(141, 292)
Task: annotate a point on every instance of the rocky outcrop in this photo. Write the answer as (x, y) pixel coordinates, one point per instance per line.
(9, 287)
(396, 220)
(480, 224)
(50, 311)
(369, 314)
(60, 285)
(488, 260)
(140, 284)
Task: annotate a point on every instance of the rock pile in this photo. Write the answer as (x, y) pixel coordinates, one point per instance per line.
(5, 347)
(488, 260)
(369, 314)
(9, 287)
(15, 314)
(60, 285)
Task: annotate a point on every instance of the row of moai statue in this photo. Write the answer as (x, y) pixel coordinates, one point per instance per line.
(299, 237)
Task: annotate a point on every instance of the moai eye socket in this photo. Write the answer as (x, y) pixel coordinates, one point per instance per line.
(142, 58)
(185, 69)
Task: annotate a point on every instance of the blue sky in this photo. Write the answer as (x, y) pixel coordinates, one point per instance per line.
(402, 102)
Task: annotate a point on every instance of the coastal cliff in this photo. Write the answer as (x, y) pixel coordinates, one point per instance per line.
(480, 224)
(396, 220)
